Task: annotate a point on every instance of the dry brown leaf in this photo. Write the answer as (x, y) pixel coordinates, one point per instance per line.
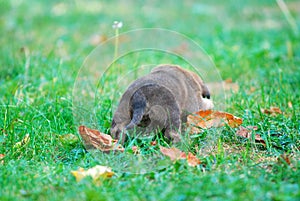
(93, 139)
(210, 118)
(228, 80)
(176, 154)
(272, 111)
(173, 153)
(230, 86)
(1, 157)
(192, 160)
(96, 172)
(252, 89)
(246, 133)
(284, 157)
(97, 39)
(153, 143)
(252, 128)
(135, 149)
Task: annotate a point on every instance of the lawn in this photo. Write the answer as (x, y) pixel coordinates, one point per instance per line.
(47, 66)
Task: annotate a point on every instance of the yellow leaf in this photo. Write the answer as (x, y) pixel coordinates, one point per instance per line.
(68, 139)
(96, 172)
(23, 142)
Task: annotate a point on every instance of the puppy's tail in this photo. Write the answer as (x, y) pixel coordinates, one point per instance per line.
(138, 107)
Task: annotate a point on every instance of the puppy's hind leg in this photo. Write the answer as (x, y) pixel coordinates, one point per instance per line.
(173, 127)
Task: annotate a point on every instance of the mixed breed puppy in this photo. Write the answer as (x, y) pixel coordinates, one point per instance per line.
(160, 101)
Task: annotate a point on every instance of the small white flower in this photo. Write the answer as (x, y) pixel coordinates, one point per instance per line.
(117, 25)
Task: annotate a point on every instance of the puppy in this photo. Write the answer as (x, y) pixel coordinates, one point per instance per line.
(160, 101)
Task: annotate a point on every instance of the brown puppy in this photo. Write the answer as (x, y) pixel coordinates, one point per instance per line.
(160, 101)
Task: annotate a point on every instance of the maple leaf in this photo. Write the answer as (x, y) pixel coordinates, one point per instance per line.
(173, 153)
(192, 160)
(93, 139)
(209, 118)
(96, 173)
(246, 133)
(272, 111)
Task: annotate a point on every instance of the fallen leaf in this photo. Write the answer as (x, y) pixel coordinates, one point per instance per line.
(1, 157)
(97, 39)
(68, 139)
(96, 172)
(230, 86)
(209, 118)
(246, 133)
(173, 153)
(93, 139)
(135, 149)
(252, 89)
(23, 142)
(284, 157)
(272, 111)
(290, 104)
(252, 127)
(192, 160)
(153, 143)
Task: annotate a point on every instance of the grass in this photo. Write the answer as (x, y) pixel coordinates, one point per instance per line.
(250, 42)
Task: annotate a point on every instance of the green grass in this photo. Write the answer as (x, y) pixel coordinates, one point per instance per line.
(250, 42)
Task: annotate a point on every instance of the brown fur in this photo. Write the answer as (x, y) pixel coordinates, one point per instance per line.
(161, 101)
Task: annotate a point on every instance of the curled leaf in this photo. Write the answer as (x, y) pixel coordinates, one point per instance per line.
(93, 139)
(173, 153)
(209, 118)
(96, 173)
